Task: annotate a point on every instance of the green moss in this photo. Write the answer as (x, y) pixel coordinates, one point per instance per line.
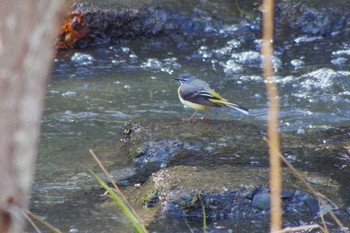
(151, 198)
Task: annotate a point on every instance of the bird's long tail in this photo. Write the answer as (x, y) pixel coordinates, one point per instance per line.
(237, 107)
(217, 99)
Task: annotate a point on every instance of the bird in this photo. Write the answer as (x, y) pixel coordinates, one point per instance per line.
(197, 94)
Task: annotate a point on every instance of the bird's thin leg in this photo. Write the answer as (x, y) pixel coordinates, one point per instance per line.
(193, 115)
(205, 117)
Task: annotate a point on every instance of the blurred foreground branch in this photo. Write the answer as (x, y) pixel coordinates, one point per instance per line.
(27, 33)
(273, 134)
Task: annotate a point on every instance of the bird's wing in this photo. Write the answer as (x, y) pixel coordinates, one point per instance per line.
(206, 96)
(202, 97)
(213, 99)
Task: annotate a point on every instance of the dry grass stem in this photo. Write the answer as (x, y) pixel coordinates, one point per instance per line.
(116, 188)
(35, 218)
(32, 223)
(325, 228)
(321, 198)
(301, 228)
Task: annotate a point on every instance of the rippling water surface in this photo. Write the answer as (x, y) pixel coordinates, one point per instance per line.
(93, 92)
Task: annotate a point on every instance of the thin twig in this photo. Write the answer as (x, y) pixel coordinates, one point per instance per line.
(188, 226)
(42, 222)
(310, 188)
(36, 228)
(322, 220)
(204, 216)
(300, 228)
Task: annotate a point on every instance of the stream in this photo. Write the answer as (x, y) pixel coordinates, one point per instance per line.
(93, 92)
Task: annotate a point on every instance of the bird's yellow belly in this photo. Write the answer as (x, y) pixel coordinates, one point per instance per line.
(193, 105)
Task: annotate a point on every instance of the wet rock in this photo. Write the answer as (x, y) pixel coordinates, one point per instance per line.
(161, 151)
(178, 166)
(174, 141)
(303, 203)
(312, 18)
(318, 22)
(296, 19)
(224, 192)
(233, 205)
(111, 27)
(153, 146)
(261, 199)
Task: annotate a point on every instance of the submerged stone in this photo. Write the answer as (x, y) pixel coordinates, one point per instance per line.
(233, 205)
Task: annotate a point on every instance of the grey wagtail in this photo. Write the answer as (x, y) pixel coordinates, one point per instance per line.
(197, 94)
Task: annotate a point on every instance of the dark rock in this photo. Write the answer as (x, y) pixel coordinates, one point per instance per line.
(316, 18)
(286, 194)
(302, 203)
(230, 204)
(161, 151)
(261, 199)
(318, 22)
(109, 27)
(310, 18)
(175, 141)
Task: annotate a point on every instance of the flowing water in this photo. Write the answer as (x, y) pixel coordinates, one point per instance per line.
(93, 92)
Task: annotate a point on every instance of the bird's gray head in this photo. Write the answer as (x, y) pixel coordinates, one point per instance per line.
(185, 78)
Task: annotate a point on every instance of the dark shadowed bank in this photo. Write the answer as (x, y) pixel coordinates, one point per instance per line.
(292, 19)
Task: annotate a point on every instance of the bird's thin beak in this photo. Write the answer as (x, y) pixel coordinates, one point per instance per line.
(180, 80)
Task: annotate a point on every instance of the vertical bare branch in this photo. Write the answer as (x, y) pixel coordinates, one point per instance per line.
(273, 134)
(27, 33)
